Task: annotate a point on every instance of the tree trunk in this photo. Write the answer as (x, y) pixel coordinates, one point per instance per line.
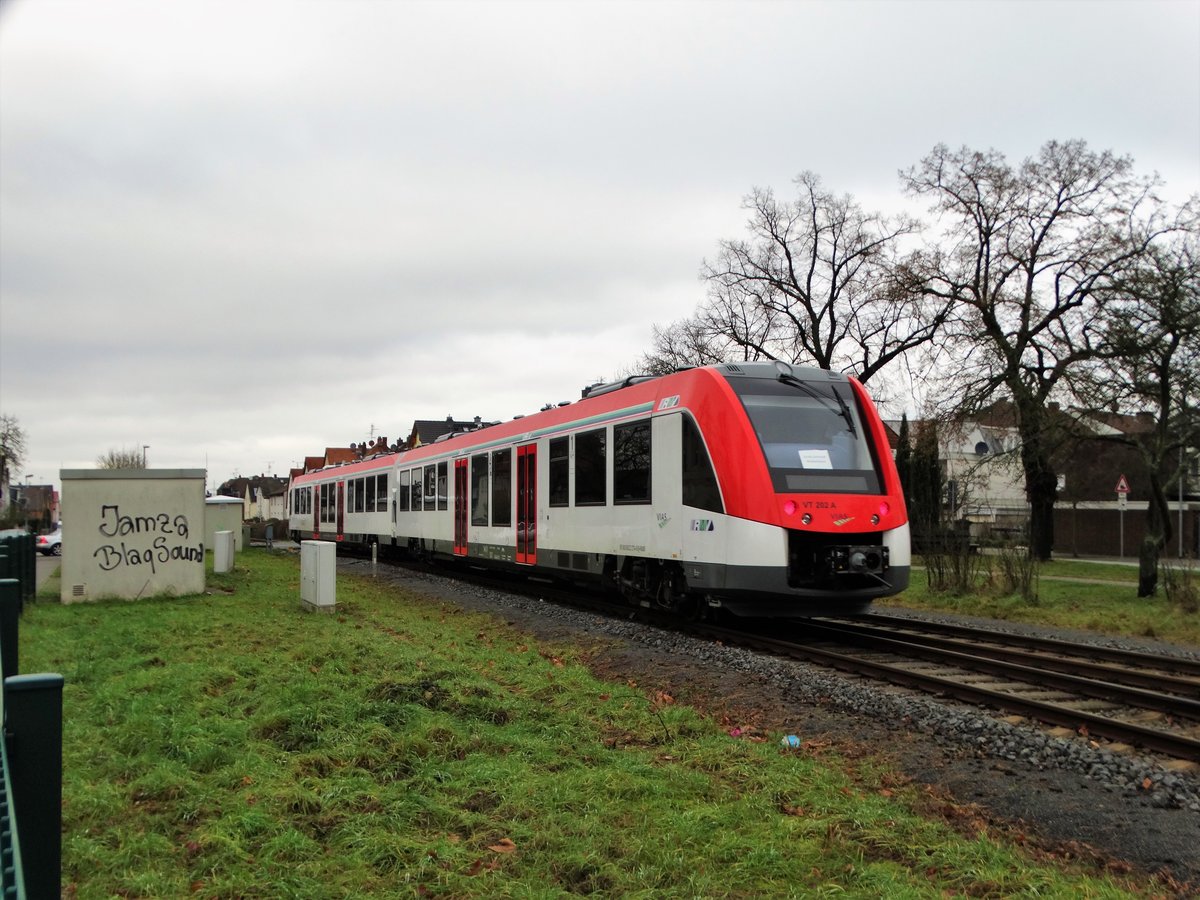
(1041, 482)
(1041, 488)
(1148, 566)
(1158, 532)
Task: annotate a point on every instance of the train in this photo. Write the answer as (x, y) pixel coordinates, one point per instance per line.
(759, 488)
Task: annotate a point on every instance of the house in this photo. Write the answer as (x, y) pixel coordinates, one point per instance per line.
(263, 496)
(426, 431)
(32, 506)
(984, 482)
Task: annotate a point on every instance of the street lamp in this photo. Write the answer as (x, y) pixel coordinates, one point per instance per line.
(145, 447)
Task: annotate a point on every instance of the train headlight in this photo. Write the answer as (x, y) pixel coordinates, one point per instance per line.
(789, 508)
(806, 518)
(884, 509)
(875, 520)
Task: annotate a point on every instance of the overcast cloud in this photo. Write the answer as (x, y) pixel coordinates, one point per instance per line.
(241, 232)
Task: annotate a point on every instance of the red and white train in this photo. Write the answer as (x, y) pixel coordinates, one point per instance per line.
(763, 488)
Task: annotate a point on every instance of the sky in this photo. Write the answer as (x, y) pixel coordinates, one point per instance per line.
(237, 233)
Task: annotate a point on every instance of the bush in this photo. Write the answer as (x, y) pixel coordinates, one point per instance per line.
(1179, 583)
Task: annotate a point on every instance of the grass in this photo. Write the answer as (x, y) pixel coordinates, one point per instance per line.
(231, 745)
(1089, 596)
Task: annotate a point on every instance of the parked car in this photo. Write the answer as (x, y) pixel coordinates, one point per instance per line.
(50, 544)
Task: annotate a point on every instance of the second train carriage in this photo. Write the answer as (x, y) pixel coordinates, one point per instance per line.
(760, 487)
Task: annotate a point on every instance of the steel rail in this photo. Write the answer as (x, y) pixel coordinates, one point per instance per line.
(1170, 704)
(1177, 746)
(1069, 658)
(1178, 664)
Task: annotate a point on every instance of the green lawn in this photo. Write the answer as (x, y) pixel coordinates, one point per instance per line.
(1100, 597)
(231, 745)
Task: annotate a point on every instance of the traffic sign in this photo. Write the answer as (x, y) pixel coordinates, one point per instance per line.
(1122, 485)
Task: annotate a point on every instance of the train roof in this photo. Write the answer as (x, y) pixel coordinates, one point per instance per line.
(555, 415)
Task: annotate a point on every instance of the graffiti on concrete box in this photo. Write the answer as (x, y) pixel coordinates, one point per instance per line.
(143, 540)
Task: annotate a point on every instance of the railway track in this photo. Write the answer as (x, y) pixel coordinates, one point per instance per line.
(1145, 700)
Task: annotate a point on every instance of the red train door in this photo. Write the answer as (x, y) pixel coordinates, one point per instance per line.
(527, 504)
(460, 507)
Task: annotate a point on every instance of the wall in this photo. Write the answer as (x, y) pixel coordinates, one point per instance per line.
(1094, 529)
(130, 533)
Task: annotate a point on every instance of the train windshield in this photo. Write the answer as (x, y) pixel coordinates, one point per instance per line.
(812, 435)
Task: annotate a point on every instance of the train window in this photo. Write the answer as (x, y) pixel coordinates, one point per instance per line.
(502, 487)
(368, 488)
(416, 490)
(700, 488)
(402, 492)
(812, 435)
(560, 471)
(591, 481)
(479, 489)
(442, 474)
(381, 492)
(430, 487)
(631, 462)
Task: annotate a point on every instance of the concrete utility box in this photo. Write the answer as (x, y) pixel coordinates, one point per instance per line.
(223, 551)
(223, 514)
(130, 533)
(318, 561)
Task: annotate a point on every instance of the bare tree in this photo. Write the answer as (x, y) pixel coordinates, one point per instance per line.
(12, 447)
(12, 456)
(819, 281)
(1152, 333)
(687, 342)
(1024, 259)
(121, 459)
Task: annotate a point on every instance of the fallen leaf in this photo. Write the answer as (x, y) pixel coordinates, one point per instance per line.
(504, 845)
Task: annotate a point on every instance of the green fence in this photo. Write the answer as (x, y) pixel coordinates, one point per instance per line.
(31, 748)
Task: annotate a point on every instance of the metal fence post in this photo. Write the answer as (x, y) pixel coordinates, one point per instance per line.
(33, 710)
(29, 566)
(10, 612)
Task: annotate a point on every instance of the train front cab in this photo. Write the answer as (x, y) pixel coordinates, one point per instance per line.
(818, 524)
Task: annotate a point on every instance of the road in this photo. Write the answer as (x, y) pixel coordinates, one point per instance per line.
(46, 566)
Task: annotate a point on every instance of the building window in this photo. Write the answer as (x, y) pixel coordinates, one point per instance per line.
(502, 487)
(560, 471)
(591, 481)
(479, 489)
(631, 462)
